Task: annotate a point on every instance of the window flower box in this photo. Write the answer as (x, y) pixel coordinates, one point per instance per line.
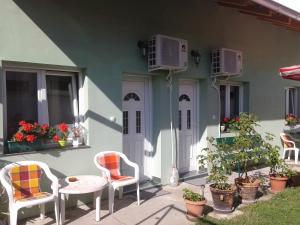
(17, 147)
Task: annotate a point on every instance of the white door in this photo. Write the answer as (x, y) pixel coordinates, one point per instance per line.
(134, 124)
(187, 126)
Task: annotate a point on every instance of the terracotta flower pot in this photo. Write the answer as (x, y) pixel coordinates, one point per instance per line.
(195, 209)
(223, 199)
(278, 184)
(247, 191)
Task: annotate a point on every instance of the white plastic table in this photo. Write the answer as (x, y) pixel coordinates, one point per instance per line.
(84, 184)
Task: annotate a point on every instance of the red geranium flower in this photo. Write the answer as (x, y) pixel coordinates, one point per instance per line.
(22, 122)
(45, 127)
(55, 138)
(226, 120)
(237, 119)
(19, 137)
(30, 138)
(63, 127)
(27, 127)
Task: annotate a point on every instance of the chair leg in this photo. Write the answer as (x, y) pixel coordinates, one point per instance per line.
(138, 193)
(42, 214)
(289, 157)
(56, 210)
(283, 155)
(120, 192)
(111, 199)
(296, 156)
(13, 217)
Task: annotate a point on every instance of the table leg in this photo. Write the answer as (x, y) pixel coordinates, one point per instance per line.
(62, 209)
(97, 199)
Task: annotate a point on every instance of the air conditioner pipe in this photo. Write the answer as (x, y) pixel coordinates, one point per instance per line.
(174, 178)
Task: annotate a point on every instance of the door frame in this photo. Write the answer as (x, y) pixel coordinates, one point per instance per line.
(196, 127)
(148, 115)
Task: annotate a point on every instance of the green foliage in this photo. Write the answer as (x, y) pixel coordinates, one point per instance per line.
(3, 203)
(248, 144)
(220, 160)
(282, 209)
(277, 165)
(188, 194)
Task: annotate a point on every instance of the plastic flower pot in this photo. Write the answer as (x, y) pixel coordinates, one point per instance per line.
(16, 147)
(62, 143)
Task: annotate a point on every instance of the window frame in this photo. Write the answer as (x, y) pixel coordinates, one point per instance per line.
(227, 97)
(287, 102)
(77, 91)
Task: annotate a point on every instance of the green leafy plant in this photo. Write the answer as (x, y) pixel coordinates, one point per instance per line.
(190, 195)
(278, 168)
(219, 159)
(248, 145)
(3, 204)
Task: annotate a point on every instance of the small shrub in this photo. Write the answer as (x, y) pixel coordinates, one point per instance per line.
(192, 196)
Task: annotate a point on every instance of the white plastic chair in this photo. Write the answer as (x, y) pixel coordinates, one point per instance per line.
(14, 206)
(289, 145)
(116, 184)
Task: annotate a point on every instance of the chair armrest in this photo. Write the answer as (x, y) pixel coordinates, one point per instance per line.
(105, 172)
(134, 165)
(297, 149)
(53, 178)
(291, 142)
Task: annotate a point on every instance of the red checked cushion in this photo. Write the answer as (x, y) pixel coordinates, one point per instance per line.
(287, 144)
(111, 161)
(25, 181)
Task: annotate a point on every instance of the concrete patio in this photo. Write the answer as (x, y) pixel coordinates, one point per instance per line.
(167, 208)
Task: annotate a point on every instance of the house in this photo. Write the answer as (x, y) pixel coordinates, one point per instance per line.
(85, 55)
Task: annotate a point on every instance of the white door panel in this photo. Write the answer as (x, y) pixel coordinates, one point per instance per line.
(134, 124)
(187, 126)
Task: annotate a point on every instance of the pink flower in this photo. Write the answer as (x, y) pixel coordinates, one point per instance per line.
(226, 120)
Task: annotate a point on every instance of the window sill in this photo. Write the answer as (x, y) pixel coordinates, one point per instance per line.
(49, 150)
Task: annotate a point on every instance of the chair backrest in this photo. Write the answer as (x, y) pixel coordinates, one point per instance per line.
(287, 141)
(25, 180)
(110, 161)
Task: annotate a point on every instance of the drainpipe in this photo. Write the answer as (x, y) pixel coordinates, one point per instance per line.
(277, 7)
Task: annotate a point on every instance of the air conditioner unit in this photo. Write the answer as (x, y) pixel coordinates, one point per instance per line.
(167, 53)
(226, 62)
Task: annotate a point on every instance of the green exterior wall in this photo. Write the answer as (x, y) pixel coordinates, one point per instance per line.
(101, 39)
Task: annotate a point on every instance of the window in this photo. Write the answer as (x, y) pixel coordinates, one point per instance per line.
(231, 97)
(43, 96)
(291, 101)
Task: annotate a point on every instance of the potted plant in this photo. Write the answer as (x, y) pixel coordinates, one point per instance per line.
(219, 160)
(248, 152)
(224, 124)
(194, 202)
(279, 170)
(29, 137)
(77, 134)
(62, 133)
(291, 120)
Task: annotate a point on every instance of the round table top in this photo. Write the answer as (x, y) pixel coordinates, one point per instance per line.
(83, 184)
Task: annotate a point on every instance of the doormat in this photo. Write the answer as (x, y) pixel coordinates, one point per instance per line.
(149, 193)
(197, 181)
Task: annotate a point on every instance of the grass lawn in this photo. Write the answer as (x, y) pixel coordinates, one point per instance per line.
(283, 209)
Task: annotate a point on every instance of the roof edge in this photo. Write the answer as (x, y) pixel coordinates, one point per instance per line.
(279, 8)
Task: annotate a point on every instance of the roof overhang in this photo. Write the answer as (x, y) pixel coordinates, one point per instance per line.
(267, 10)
